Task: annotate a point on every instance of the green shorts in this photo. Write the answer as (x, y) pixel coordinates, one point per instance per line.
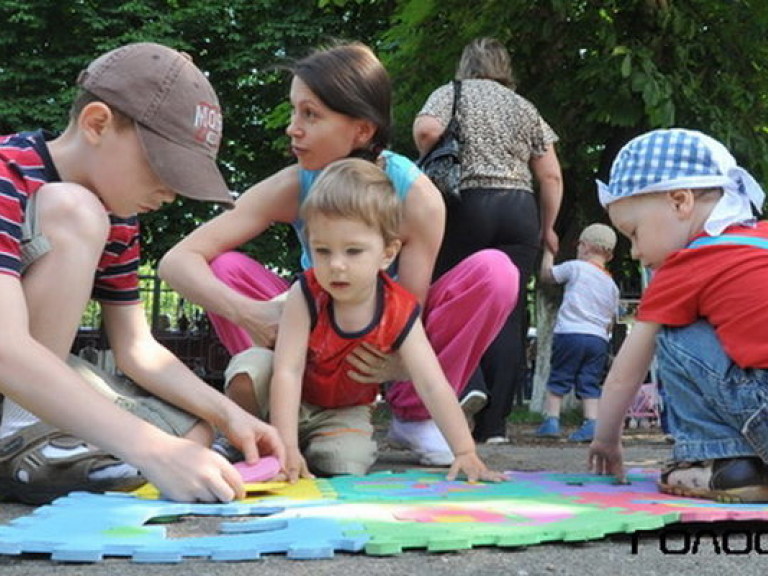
(33, 243)
(123, 392)
(332, 440)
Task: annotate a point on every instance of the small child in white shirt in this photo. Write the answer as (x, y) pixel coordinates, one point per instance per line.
(582, 329)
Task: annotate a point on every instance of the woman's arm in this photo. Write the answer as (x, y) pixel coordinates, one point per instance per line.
(546, 170)
(422, 234)
(426, 131)
(186, 267)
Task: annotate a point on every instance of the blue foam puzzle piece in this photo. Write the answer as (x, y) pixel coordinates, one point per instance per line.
(86, 527)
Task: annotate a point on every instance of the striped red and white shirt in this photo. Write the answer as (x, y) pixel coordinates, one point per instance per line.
(25, 165)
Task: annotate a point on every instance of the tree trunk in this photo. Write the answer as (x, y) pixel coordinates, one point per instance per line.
(547, 302)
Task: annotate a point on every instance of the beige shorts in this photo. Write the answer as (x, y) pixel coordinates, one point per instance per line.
(123, 392)
(332, 440)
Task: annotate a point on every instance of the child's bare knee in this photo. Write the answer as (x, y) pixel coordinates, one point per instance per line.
(240, 389)
(252, 367)
(239, 384)
(68, 210)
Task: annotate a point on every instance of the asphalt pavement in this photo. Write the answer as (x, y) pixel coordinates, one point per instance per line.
(652, 553)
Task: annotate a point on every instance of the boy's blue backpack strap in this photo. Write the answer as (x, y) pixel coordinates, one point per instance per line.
(725, 239)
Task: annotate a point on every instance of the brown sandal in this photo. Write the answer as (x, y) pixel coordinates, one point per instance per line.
(741, 479)
(28, 476)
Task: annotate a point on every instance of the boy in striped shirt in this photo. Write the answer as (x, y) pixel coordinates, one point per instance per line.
(144, 127)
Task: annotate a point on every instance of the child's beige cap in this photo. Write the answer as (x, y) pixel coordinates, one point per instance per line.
(599, 235)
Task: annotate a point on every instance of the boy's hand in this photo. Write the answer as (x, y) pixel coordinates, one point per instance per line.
(295, 466)
(185, 471)
(253, 437)
(474, 468)
(606, 458)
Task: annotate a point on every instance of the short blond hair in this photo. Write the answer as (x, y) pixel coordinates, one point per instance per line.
(359, 190)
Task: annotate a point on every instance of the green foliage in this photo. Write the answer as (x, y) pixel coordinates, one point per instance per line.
(599, 72)
(240, 44)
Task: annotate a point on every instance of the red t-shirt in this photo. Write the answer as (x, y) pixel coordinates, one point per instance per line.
(25, 165)
(326, 383)
(723, 284)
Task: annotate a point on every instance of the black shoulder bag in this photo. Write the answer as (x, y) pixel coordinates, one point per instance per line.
(443, 161)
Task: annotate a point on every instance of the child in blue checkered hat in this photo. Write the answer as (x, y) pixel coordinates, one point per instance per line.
(689, 211)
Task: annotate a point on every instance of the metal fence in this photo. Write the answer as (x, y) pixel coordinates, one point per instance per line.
(177, 324)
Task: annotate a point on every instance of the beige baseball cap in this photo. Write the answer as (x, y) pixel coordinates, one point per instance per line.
(599, 235)
(175, 109)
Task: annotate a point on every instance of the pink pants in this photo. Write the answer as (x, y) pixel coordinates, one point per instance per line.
(465, 309)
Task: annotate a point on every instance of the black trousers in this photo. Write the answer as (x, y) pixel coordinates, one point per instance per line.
(508, 220)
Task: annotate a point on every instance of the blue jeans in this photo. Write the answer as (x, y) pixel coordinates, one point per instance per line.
(716, 409)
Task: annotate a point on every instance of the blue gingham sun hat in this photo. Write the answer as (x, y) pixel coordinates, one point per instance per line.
(673, 159)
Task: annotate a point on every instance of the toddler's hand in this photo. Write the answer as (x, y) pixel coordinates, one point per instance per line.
(474, 468)
(606, 458)
(295, 467)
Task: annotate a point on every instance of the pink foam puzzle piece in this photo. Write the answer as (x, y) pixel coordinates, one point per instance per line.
(265, 469)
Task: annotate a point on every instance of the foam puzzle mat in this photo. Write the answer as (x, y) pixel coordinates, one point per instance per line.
(378, 514)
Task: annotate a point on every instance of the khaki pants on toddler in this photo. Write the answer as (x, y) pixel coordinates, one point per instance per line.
(332, 440)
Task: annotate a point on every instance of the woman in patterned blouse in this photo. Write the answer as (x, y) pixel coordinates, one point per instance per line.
(507, 145)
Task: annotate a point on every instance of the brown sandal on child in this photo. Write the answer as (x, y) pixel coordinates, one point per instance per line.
(29, 476)
(742, 479)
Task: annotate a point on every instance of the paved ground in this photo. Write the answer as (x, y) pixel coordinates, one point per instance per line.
(617, 555)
